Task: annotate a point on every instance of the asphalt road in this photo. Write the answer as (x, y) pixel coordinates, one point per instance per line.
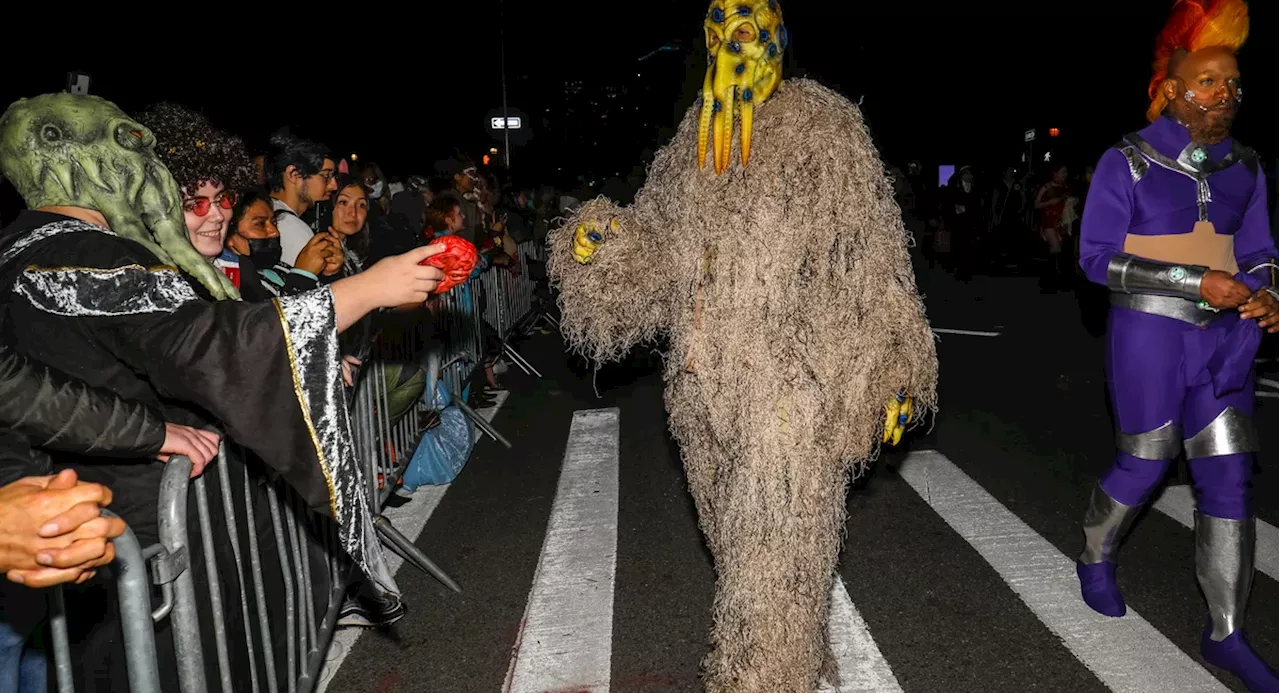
(1023, 415)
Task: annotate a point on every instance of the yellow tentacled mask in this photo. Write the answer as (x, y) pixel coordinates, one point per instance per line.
(745, 42)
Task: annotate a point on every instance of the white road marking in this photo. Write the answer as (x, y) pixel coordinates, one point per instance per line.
(410, 519)
(1178, 503)
(862, 667)
(566, 638)
(1127, 654)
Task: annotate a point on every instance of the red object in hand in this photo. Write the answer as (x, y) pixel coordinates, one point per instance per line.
(457, 261)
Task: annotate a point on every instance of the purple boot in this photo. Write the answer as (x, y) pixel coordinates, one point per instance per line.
(1105, 524)
(1236, 656)
(1099, 589)
(1224, 568)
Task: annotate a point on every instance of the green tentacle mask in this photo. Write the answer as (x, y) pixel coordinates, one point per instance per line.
(82, 151)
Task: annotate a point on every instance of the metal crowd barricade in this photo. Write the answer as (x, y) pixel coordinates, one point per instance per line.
(309, 570)
(272, 610)
(511, 302)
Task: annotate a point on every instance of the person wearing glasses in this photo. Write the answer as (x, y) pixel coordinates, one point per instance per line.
(209, 166)
(299, 174)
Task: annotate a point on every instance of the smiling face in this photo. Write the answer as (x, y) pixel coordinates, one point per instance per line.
(82, 151)
(208, 212)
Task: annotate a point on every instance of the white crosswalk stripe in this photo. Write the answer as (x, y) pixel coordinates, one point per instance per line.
(861, 665)
(567, 634)
(1127, 654)
(566, 637)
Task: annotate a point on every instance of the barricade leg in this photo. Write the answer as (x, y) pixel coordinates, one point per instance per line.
(520, 360)
(480, 422)
(401, 545)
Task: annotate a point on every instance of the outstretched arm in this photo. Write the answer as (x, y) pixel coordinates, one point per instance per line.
(614, 279)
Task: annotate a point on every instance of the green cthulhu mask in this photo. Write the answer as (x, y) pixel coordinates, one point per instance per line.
(83, 151)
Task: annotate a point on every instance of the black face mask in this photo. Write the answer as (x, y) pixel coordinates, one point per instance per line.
(264, 253)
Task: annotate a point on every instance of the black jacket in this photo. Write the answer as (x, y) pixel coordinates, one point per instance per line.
(48, 409)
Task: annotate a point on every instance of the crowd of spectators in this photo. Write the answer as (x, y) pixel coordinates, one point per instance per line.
(277, 223)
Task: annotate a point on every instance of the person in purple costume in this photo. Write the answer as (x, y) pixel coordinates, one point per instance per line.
(1176, 226)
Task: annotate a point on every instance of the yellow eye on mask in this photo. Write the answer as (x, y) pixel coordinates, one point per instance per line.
(745, 43)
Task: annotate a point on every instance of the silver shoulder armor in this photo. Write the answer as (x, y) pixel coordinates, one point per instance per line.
(1135, 275)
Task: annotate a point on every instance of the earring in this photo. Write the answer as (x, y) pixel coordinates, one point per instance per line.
(1188, 95)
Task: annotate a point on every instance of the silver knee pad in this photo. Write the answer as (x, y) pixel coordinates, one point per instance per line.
(1160, 444)
(1231, 432)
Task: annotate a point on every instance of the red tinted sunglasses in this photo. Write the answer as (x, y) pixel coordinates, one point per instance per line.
(200, 206)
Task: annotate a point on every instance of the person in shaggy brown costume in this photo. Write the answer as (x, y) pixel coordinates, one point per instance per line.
(788, 295)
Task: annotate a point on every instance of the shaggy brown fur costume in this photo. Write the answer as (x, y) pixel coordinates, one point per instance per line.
(789, 297)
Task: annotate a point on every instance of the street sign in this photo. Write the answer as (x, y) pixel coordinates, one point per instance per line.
(78, 83)
(1028, 136)
(510, 126)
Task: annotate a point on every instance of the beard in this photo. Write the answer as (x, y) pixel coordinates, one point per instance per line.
(1209, 126)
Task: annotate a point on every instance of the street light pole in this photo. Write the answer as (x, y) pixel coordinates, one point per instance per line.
(506, 121)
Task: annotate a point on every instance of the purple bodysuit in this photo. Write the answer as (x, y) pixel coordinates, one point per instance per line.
(1179, 374)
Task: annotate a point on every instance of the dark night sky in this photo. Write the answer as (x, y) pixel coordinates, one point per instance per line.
(938, 82)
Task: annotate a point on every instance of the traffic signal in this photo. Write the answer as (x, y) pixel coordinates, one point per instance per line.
(1053, 132)
(486, 159)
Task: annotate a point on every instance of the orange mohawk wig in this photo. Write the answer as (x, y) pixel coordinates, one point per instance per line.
(1192, 26)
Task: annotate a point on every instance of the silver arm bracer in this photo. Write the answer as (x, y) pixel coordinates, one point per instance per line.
(1134, 275)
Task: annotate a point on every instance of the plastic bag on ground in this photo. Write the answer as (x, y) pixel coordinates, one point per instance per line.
(444, 450)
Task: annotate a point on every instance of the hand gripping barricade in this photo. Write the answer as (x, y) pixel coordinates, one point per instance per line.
(270, 588)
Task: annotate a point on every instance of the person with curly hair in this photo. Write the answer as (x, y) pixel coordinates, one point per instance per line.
(210, 166)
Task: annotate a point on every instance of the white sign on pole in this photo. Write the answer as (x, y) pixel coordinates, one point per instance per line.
(512, 123)
(1029, 135)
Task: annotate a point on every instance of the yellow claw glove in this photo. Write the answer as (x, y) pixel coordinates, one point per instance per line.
(897, 414)
(587, 239)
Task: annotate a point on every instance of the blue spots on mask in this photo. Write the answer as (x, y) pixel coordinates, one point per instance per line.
(764, 36)
(740, 69)
(746, 94)
(773, 50)
(717, 15)
(782, 37)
